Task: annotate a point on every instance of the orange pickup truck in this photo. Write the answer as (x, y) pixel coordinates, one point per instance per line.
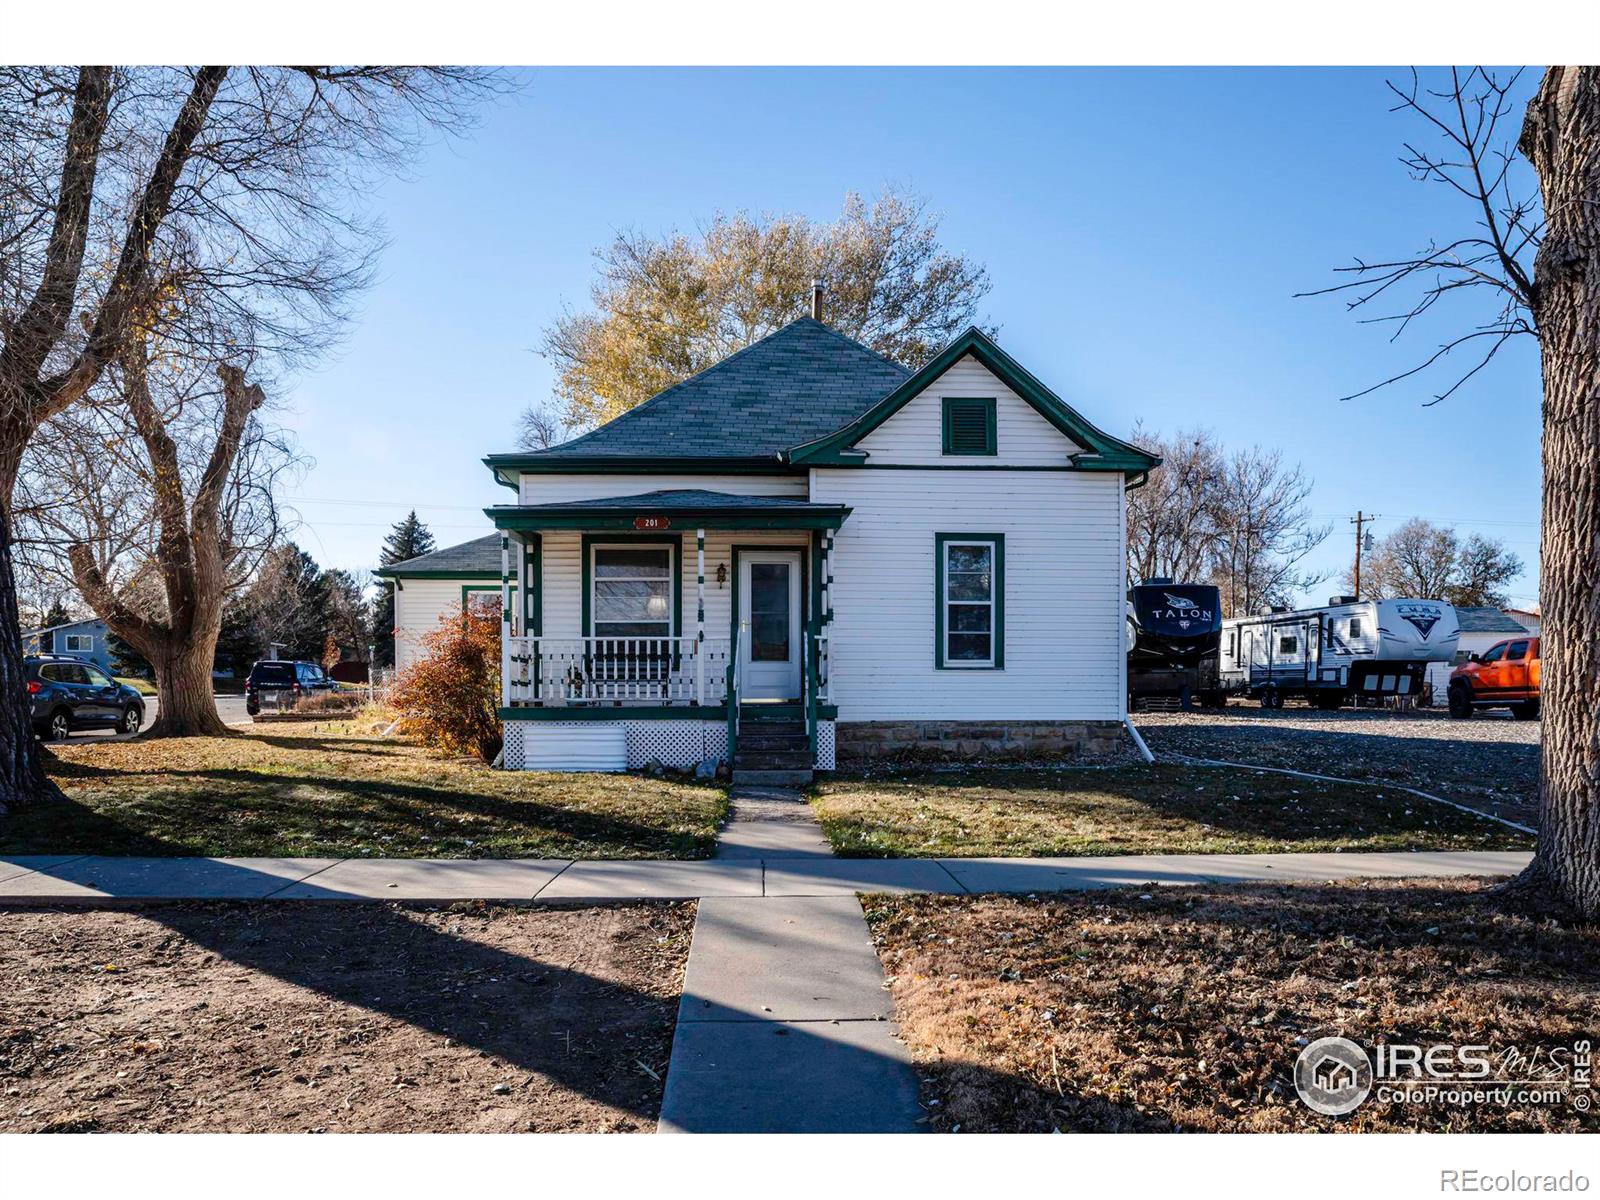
(1506, 675)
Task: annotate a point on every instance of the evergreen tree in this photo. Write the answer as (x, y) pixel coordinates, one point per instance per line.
(56, 614)
(126, 661)
(407, 540)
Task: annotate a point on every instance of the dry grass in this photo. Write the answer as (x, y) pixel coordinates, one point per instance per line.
(1161, 809)
(1184, 1009)
(338, 1018)
(323, 790)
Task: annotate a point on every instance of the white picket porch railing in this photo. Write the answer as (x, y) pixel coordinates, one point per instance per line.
(594, 671)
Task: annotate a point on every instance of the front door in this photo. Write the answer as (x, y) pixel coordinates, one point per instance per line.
(769, 625)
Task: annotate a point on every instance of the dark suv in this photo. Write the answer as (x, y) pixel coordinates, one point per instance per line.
(281, 683)
(67, 694)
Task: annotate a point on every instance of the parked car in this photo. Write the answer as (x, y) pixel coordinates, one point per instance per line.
(67, 694)
(281, 683)
(1506, 675)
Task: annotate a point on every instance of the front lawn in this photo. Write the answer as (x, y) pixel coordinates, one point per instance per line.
(338, 1018)
(323, 790)
(1159, 809)
(1185, 1008)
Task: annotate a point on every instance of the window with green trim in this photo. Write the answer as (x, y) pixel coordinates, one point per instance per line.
(633, 591)
(970, 600)
(969, 425)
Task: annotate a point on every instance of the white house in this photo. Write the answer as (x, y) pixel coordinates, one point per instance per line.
(809, 552)
(439, 584)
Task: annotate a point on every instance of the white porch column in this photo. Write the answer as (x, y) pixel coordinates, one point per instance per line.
(505, 619)
(700, 616)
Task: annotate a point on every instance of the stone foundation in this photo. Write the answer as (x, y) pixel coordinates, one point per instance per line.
(862, 741)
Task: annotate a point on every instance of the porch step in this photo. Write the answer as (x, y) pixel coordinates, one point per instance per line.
(773, 760)
(756, 737)
(771, 778)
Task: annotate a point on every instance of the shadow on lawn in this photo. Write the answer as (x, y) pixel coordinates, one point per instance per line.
(346, 814)
(1166, 808)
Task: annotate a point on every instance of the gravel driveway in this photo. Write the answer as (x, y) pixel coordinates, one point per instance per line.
(1490, 762)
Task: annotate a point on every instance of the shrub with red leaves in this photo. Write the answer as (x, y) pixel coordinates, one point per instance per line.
(450, 696)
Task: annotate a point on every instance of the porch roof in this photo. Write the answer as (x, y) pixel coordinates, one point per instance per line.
(660, 510)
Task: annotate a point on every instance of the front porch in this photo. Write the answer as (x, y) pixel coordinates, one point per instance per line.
(653, 627)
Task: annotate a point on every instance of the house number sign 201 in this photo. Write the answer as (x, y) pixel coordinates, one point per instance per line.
(652, 522)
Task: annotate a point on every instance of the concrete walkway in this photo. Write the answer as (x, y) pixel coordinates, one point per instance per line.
(784, 1022)
(768, 873)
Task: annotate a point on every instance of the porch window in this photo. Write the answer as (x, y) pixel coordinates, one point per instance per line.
(633, 592)
(970, 600)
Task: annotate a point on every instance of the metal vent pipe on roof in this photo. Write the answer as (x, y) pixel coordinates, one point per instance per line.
(816, 299)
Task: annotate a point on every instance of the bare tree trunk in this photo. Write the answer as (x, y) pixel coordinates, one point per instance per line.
(1562, 139)
(186, 705)
(22, 777)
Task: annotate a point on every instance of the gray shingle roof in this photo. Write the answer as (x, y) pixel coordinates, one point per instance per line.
(1486, 620)
(694, 498)
(479, 555)
(791, 387)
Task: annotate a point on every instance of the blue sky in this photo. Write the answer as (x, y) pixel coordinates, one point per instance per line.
(1144, 229)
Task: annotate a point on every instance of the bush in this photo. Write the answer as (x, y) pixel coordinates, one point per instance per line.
(450, 697)
(332, 702)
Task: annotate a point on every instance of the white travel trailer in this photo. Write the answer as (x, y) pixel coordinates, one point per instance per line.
(1327, 655)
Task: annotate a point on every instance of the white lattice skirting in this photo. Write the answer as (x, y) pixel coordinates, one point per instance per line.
(627, 745)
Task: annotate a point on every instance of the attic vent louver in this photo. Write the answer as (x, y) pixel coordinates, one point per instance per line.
(969, 425)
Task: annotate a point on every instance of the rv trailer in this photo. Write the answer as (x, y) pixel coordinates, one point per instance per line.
(1345, 649)
(1173, 634)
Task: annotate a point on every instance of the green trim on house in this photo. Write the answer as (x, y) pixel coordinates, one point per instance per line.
(467, 588)
(523, 519)
(673, 712)
(674, 541)
(1103, 452)
(627, 464)
(389, 573)
(947, 430)
(997, 589)
(533, 572)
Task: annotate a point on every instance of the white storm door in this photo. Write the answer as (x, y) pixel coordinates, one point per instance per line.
(769, 625)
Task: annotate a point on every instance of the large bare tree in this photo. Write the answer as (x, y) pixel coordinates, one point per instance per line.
(1423, 559)
(664, 308)
(1526, 263)
(1238, 519)
(238, 181)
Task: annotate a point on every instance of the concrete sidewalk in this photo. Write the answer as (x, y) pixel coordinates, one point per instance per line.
(773, 874)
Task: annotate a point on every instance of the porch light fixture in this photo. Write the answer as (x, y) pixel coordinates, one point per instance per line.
(722, 574)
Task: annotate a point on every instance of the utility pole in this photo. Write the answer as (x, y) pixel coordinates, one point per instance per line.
(1359, 520)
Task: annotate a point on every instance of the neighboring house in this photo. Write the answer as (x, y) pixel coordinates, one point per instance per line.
(437, 584)
(1528, 618)
(1480, 629)
(889, 560)
(88, 640)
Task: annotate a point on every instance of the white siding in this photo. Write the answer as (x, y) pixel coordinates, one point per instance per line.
(557, 489)
(563, 578)
(418, 605)
(914, 434)
(1063, 593)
